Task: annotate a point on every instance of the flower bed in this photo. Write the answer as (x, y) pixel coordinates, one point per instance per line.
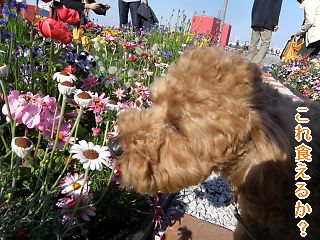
(301, 74)
(60, 97)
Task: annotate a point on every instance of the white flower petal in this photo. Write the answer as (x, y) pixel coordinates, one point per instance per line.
(90, 145)
(92, 165)
(86, 164)
(84, 144)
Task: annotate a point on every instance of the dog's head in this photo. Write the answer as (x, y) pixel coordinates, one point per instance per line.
(202, 119)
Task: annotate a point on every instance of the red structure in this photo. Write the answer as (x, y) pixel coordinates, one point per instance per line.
(30, 13)
(210, 26)
(2, 2)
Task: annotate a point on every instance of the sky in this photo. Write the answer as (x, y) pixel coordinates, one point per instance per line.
(238, 15)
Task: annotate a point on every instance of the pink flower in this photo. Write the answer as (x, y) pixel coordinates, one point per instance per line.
(69, 203)
(98, 104)
(71, 184)
(32, 110)
(133, 58)
(99, 118)
(31, 115)
(63, 134)
(96, 132)
(119, 93)
(114, 133)
(129, 45)
(117, 175)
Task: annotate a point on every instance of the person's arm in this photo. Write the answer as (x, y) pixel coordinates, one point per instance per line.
(79, 6)
(309, 17)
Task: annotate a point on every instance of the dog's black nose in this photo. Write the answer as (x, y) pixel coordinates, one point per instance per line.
(115, 147)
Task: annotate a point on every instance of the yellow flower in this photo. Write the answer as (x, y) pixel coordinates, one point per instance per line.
(96, 39)
(77, 34)
(108, 31)
(84, 40)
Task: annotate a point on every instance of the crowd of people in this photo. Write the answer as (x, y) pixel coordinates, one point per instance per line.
(141, 13)
(264, 21)
(265, 18)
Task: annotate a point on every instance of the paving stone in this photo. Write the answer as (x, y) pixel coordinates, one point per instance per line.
(187, 227)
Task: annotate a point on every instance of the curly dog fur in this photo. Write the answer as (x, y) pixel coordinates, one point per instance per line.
(212, 112)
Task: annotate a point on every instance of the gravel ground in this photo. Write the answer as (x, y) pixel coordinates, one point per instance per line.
(208, 201)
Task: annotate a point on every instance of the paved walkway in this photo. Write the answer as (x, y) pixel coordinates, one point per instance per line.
(203, 212)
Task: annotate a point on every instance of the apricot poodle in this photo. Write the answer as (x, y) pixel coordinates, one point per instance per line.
(212, 112)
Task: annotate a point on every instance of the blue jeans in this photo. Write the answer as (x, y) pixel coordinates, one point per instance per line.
(124, 11)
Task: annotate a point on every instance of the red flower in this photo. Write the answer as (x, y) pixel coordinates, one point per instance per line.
(89, 24)
(133, 58)
(70, 69)
(67, 15)
(51, 28)
(96, 25)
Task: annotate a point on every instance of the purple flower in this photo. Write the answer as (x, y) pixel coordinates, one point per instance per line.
(167, 55)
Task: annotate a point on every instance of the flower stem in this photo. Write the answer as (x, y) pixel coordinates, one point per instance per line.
(14, 179)
(50, 66)
(64, 101)
(38, 143)
(108, 184)
(75, 126)
(54, 116)
(32, 65)
(62, 173)
(6, 102)
(5, 143)
(105, 134)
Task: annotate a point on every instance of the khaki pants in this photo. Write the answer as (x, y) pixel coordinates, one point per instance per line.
(257, 55)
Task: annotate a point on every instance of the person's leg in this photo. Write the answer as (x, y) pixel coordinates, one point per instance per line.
(123, 12)
(252, 51)
(134, 15)
(265, 35)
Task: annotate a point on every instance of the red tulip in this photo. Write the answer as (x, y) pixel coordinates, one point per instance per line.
(96, 25)
(68, 15)
(55, 29)
(70, 69)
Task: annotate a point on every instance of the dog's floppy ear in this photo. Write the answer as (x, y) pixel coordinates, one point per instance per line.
(270, 141)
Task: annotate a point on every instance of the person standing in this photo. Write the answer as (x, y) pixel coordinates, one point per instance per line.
(265, 17)
(133, 5)
(311, 25)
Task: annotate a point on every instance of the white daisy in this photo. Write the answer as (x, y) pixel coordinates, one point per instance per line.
(83, 98)
(90, 155)
(66, 87)
(64, 76)
(71, 184)
(21, 146)
(3, 70)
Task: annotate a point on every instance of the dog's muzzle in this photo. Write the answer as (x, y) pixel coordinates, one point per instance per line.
(115, 147)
